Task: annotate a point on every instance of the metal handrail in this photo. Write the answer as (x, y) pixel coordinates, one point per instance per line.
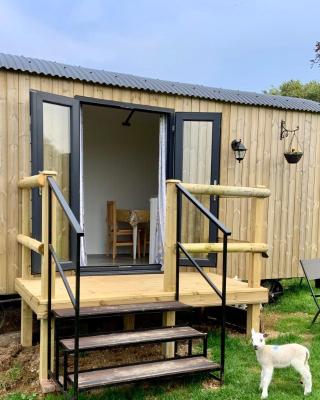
(199, 269)
(63, 276)
(75, 299)
(65, 206)
(222, 294)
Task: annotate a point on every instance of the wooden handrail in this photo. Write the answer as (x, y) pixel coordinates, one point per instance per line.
(232, 247)
(227, 191)
(33, 181)
(30, 243)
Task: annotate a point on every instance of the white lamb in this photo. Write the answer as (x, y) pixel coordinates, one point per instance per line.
(270, 357)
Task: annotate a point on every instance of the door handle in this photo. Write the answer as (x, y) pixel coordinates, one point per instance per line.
(215, 196)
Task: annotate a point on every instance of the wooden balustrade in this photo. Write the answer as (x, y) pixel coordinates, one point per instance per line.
(227, 191)
(34, 181)
(232, 247)
(28, 244)
(257, 247)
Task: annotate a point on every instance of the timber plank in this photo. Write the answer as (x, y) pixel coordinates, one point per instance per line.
(131, 338)
(131, 289)
(4, 266)
(134, 373)
(122, 309)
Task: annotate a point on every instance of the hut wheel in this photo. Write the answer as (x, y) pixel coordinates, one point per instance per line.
(275, 289)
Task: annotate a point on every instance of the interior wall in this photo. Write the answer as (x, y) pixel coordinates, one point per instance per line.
(120, 163)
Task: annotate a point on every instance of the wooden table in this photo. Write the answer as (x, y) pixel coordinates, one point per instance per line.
(137, 217)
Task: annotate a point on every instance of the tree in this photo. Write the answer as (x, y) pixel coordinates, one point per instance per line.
(316, 59)
(295, 88)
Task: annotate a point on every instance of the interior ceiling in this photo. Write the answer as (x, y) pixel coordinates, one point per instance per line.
(120, 114)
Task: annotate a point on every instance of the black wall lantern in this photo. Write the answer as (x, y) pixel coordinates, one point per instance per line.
(239, 149)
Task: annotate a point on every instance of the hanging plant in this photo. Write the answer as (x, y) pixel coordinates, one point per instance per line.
(294, 156)
(293, 153)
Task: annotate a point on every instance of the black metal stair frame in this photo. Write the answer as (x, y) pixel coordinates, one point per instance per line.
(75, 299)
(221, 293)
(144, 370)
(174, 366)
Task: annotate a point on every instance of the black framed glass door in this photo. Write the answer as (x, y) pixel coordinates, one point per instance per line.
(55, 146)
(197, 160)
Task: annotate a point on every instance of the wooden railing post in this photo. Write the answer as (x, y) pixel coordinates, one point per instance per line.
(170, 248)
(45, 236)
(25, 230)
(254, 274)
(43, 371)
(26, 312)
(170, 237)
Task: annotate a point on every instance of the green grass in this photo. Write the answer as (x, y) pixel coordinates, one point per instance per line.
(21, 396)
(291, 318)
(9, 377)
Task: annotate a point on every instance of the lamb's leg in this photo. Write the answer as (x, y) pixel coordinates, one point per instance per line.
(266, 379)
(261, 380)
(305, 373)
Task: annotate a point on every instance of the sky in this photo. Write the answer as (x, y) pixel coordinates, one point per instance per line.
(236, 44)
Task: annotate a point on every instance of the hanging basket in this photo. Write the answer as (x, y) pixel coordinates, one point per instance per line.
(294, 153)
(293, 156)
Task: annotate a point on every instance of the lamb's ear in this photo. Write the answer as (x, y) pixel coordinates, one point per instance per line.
(265, 335)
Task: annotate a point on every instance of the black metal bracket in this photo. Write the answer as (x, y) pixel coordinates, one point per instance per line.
(127, 121)
(284, 132)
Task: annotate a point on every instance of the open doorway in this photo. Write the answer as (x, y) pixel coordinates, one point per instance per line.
(120, 165)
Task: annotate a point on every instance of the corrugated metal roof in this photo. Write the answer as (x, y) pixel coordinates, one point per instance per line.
(90, 75)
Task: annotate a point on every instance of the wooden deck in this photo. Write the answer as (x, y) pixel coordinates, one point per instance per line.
(125, 289)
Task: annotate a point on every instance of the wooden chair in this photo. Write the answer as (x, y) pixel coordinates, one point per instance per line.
(119, 236)
(145, 238)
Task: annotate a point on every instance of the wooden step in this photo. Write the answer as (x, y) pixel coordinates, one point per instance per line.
(122, 309)
(131, 338)
(134, 373)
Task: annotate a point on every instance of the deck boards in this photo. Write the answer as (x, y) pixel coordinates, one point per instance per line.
(123, 309)
(128, 289)
(131, 338)
(132, 373)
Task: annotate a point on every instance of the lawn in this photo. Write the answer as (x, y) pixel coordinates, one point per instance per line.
(287, 321)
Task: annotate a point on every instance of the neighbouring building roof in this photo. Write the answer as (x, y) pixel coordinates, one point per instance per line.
(90, 75)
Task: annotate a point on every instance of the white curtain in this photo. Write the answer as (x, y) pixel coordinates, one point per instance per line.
(161, 203)
(83, 253)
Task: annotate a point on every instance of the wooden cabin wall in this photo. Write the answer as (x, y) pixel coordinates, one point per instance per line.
(293, 208)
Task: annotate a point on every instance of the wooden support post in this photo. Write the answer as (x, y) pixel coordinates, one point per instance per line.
(168, 319)
(52, 345)
(54, 236)
(43, 369)
(25, 230)
(26, 324)
(45, 236)
(253, 318)
(26, 312)
(170, 245)
(258, 223)
(129, 322)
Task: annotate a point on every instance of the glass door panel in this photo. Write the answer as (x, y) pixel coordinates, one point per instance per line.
(196, 168)
(197, 161)
(56, 157)
(55, 128)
